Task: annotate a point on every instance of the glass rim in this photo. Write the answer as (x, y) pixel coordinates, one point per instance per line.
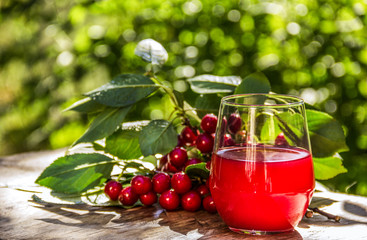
(296, 101)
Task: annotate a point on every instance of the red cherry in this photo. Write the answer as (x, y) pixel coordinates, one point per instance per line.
(203, 190)
(191, 201)
(209, 123)
(161, 182)
(141, 184)
(189, 135)
(163, 161)
(177, 157)
(169, 200)
(280, 140)
(234, 123)
(181, 182)
(148, 199)
(113, 189)
(127, 197)
(205, 143)
(228, 141)
(168, 167)
(192, 161)
(180, 141)
(209, 204)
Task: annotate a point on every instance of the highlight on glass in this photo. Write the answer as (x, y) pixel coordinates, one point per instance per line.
(262, 177)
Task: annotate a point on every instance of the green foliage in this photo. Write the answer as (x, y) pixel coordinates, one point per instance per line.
(124, 144)
(124, 90)
(76, 173)
(206, 84)
(86, 105)
(104, 124)
(159, 136)
(328, 167)
(150, 159)
(139, 140)
(52, 50)
(208, 103)
(326, 134)
(254, 83)
(198, 170)
(288, 124)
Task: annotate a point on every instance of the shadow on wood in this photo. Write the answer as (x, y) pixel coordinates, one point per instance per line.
(198, 225)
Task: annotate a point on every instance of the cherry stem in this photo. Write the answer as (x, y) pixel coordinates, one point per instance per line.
(328, 215)
(309, 213)
(181, 111)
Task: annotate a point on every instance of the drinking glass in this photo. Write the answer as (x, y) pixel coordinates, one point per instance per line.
(262, 177)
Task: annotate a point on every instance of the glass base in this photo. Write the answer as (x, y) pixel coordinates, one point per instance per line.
(257, 232)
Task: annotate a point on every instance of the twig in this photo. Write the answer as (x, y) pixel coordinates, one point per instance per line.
(328, 215)
(309, 213)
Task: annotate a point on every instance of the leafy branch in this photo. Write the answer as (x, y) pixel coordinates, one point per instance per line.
(130, 144)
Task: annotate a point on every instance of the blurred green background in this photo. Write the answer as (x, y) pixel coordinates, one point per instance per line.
(53, 51)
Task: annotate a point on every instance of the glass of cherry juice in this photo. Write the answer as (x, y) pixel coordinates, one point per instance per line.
(262, 177)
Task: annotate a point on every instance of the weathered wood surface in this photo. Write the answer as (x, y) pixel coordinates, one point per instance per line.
(22, 218)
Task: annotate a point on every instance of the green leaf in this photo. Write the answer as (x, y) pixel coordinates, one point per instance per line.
(270, 130)
(197, 170)
(207, 103)
(288, 123)
(124, 144)
(151, 51)
(104, 124)
(97, 147)
(206, 84)
(76, 173)
(328, 167)
(309, 106)
(291, 124)
(192, 114)
(254, 83)
(159, 136)
(86, 105)
(326, 134)
(151, 159)
(124, 90)
(135, 125)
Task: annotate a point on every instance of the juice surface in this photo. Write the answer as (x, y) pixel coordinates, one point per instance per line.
(262, 188)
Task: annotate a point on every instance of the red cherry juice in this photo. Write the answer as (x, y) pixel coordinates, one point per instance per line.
(262, 188)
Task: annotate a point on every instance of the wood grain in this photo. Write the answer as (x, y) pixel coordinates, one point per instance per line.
(23, 218)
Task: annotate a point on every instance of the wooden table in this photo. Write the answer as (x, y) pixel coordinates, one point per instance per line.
(23, 218)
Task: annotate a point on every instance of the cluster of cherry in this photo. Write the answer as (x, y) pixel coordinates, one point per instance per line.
(178, 189)
(173, 192)
(190, 137)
